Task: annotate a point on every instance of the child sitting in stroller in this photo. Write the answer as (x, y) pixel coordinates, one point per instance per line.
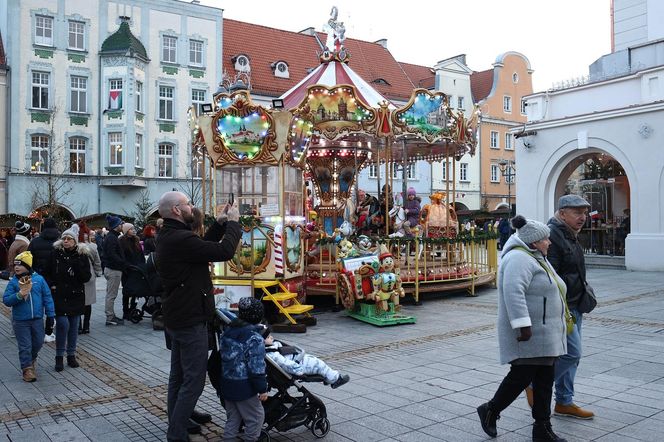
(293, 360)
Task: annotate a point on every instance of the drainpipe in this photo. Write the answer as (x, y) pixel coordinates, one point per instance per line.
(100, 115)
(8, 144)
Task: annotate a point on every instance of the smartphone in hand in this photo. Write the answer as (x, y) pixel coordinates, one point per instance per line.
(231, 198)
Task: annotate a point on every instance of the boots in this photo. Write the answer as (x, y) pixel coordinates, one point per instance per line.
(488, 419)
(542, 432)
(72, 362)
(59, 363)
(29, 374)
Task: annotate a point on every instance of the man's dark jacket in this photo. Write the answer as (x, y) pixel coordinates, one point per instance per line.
(114, 258)
(182, 264)
(566, 256)
(42, 253)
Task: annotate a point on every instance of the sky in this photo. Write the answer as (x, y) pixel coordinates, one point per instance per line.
(561, 38)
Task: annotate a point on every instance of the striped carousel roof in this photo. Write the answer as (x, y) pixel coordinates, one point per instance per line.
(331, 74)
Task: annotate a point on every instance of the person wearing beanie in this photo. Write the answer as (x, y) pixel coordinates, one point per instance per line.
(243, 378)
(20, 243)
(71, 270)
(182, 261)
(42, 248)
(531, 326)
(87, 237)
(114, 264)
(567, 258)
(412, 208)
(295, 361)
(133, 254)
(29, 296)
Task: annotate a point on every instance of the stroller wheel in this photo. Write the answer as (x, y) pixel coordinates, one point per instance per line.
(135, 315)
(320, 427)
(264, 437)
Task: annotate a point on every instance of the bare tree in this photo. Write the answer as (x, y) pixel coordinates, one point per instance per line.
(192, 186)
(51, 187)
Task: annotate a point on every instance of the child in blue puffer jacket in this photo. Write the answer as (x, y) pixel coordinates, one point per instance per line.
(243, 379)
(29, 296)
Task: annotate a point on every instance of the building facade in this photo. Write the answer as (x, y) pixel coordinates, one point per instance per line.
(99, 108)
(499, 92)
(603, 141)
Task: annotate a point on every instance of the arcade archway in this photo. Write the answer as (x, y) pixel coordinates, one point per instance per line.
(601, 180)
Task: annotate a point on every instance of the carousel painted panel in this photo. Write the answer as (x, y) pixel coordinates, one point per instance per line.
(293, 251)
(426, 114)
(255, 255)
(335, 111)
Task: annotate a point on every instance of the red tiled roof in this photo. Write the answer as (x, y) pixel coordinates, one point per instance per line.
(420, 76)
(481, 84)
(3, 60)
(264, 46)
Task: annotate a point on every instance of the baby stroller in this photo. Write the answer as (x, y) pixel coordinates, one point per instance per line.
(138, 282)
(290, 404)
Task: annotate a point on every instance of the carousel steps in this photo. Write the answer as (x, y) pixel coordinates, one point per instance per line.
(298, 309)
(281, 296)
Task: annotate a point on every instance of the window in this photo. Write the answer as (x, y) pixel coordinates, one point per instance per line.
(115, 147)
(493, 141)
(281, 70)
(44, 30)
(411, 171)
(451, 100)
(138, 142)
(115, 94)
(197, 99)
(460, 103)
(40, 81)
(463, 171)
(445, 168)
(79, 94)
(77, 155)
(494, 173)
(168, 49)
(508, 141)
(523, 107)
(165, 103)
(515, 78)
(39, 161)
(242, 63)
(165, 157)
(139, 96)
(507, 104)
(195, 52)
(373, 171)
(76, 35)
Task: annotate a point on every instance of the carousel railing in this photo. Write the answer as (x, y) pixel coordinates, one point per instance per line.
(425, 264)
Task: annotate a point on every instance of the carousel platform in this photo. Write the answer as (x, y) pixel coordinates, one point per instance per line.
(366, 312)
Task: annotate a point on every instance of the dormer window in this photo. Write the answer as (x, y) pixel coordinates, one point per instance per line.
(241, 63)
(380, 81)
(280, 69)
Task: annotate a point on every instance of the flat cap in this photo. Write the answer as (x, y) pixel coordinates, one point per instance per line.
(572, 201)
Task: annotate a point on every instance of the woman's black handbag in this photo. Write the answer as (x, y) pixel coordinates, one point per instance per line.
(588, 300)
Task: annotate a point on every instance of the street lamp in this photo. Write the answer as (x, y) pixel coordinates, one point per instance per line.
(508, 170)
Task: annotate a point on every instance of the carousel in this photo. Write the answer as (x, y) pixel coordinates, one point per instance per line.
(297, 245)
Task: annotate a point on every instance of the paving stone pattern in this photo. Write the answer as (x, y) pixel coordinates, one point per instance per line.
(418, 382)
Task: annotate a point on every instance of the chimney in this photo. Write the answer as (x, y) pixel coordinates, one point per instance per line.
(124, 19)
(308, 31)
(382, 42)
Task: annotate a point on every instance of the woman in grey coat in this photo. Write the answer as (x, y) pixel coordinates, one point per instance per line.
(531, 326)
(88, 237)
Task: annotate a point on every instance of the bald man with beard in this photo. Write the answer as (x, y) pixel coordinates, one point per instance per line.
(182, 262)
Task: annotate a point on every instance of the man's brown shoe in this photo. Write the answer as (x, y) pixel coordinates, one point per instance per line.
(29, 374)
(572, 410)
(529, 396)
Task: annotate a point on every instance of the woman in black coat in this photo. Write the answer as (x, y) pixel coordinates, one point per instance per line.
(133, 281)
(70, 271)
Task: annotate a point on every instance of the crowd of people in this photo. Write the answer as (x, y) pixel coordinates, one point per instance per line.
(542, 296)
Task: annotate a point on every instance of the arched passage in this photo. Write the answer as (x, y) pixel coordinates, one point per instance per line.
(56, 211)
(601, 180)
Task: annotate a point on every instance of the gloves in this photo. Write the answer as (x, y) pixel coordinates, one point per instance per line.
(526, 334)
(50, 322)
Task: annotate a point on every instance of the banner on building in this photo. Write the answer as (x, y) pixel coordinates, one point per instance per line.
(115, 100)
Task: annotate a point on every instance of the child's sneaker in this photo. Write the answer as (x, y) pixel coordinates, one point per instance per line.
(49, 338)
(343, 378)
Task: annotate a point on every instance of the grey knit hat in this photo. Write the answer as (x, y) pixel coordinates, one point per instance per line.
(71, 232)
(250, 310)
(529, 230)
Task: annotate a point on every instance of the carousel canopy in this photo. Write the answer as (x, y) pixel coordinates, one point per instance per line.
(331, 74)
